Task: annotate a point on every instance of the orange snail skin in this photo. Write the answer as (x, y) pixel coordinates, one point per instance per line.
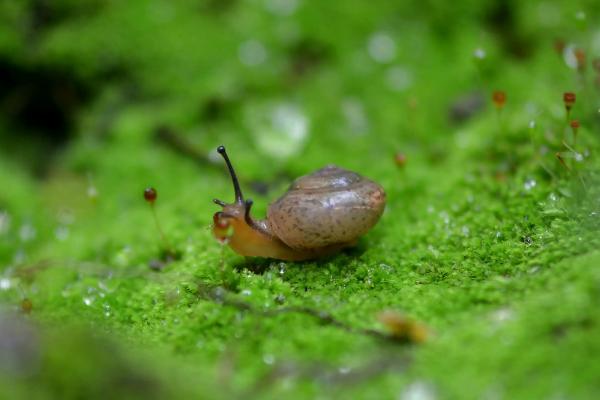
(320, 214)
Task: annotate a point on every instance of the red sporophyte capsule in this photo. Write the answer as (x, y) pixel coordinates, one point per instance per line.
(499, 98)
(150, 195)
(569, 99)
(400, 159)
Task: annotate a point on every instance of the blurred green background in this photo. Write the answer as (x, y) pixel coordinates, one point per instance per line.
(490, 237)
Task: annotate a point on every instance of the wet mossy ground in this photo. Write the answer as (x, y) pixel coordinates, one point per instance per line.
(487, 239)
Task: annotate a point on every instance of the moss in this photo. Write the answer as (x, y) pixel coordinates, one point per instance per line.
(486, 238)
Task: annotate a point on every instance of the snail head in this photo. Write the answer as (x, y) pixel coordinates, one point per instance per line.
(238, 212)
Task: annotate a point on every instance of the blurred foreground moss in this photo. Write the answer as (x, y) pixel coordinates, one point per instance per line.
(74, 362)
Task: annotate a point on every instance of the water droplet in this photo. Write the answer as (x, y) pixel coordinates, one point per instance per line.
(433, 251)
(344, 370)
(529, 184)
(479, 53)
(502, 315)
(61, 233)
(569, 56)
(5, 284)
(103, 286)
(578, 157)
(465, 230)
(553, 197)
(92, 192)
(385, 267)
(418, 390)
(445, 217)
(246, 292)
(27, 232)
(399, 78)
(280, 299)
(532, 124)
(88, 301)
(122, 258)
(282, 267)
(252, 53)
(534, 269)
(279, 130)
(381, 47)
(269, 359)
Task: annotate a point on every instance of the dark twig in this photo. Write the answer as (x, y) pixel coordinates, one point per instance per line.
(180, 145)
(220, 295)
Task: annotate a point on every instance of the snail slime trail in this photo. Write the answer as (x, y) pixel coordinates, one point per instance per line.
(320, 214)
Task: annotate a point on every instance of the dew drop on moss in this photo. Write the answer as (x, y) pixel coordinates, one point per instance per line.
(269, 359)
(381, 47)
(344, 370)
(529, 184)
(418, 391)
(61, 233)
(27, 232)
(5, 284)
(252, 53)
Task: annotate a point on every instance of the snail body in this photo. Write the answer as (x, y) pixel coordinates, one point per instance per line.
(320, 214)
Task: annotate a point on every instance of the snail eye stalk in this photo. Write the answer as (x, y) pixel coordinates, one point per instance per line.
(239, 197)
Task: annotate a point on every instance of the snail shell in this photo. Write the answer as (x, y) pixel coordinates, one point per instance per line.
(330, 206)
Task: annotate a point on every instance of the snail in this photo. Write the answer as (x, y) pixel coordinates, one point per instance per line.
(320, 214)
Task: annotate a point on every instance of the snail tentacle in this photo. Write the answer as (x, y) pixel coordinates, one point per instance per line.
(239, 197)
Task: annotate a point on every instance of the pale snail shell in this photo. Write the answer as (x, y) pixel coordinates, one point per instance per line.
(330, 206)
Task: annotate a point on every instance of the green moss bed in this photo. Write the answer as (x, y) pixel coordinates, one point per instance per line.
(489, 240)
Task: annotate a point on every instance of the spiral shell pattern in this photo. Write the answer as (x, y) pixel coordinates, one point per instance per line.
(328, 207)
